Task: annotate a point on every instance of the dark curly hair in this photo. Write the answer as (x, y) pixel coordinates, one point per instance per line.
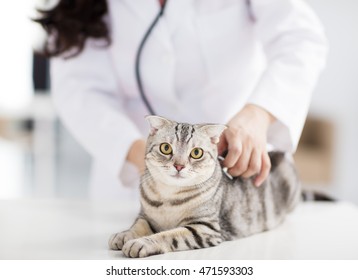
(71, 22)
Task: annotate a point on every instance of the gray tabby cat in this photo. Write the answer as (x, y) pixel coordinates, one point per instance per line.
(187, 202)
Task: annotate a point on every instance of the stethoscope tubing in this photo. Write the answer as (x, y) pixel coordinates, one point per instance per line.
(139, 55)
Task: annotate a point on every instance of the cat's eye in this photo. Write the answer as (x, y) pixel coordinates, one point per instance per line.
(196, 153)
(166, 149)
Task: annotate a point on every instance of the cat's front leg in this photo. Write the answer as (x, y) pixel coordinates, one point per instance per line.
(139, 229)
(179, 239)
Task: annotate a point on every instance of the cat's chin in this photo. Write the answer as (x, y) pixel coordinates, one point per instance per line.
(178, 176)
(176, 181)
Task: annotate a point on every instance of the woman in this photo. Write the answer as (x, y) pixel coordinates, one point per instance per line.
(250, 64)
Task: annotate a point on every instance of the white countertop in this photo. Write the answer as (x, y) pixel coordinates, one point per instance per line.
(67, 229)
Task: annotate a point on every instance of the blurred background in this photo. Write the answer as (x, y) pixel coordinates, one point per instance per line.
(39, 158)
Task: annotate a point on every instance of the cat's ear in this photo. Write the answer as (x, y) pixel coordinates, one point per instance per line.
(157, 123)
(214, 131)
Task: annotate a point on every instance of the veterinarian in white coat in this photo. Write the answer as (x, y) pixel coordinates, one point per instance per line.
(203, 62)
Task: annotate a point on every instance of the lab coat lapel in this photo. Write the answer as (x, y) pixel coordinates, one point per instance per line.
(146, 11)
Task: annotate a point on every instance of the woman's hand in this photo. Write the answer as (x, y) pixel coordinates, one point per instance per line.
(245, 141)
(136, 155)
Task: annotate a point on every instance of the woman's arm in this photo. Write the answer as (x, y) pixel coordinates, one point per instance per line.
(87, 99)
(295, 47)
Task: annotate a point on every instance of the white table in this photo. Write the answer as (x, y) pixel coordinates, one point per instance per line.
(63, 229)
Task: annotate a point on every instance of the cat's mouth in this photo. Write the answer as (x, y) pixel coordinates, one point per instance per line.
(178, 176)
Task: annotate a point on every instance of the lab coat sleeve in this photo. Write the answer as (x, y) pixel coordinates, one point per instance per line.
(295, 46)
(87, 99)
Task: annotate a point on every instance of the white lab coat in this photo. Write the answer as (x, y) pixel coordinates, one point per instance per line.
(202, 63)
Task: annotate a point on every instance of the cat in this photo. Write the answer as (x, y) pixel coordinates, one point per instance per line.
(188, 203)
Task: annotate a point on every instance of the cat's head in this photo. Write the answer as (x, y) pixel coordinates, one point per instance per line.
(180, 154)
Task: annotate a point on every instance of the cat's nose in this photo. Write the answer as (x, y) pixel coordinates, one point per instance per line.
(178, 167)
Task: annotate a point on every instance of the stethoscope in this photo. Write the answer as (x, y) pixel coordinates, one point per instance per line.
(144, 40)
(138, 57)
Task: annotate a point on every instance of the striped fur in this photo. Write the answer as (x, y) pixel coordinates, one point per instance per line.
(198, 206)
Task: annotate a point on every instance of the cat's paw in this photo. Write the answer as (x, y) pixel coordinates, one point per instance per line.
(141, 248)
(117, 240)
